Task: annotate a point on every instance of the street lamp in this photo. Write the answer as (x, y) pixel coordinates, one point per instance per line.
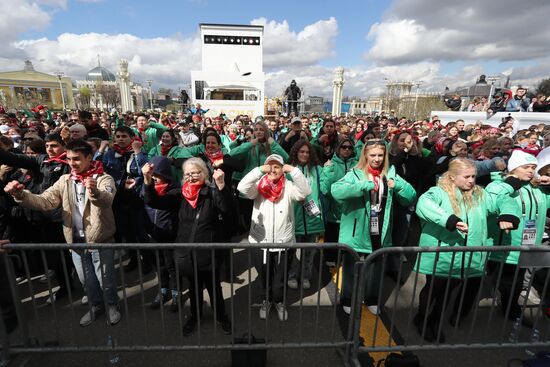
(60, 74)
(418, 83)
(149, 83)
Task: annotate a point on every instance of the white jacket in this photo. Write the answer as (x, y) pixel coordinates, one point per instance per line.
(273, 222)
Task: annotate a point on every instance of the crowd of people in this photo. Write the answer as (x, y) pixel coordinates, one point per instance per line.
(503, 101)
(367, 182)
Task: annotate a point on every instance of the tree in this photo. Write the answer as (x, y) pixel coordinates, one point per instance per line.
(543, 87)
(109, 95)
(84, 97)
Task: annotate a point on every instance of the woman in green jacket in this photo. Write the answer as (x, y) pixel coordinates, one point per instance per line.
(366, 194)
(254, 154)
(532, 202)
(169, 148)
(454, 213)
(342, 162)
(308, 214)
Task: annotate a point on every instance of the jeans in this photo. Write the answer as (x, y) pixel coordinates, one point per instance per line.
(77, 261)
(95, 291)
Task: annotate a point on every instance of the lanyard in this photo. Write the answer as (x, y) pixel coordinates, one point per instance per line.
(531, 197)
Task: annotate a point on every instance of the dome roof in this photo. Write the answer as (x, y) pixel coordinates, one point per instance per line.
(99, 72)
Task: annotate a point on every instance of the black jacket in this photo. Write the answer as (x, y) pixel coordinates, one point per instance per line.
(212, 205)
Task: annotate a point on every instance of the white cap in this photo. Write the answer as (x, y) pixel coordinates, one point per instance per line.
(275, 157)
(4, 129)
(520, 158)
(543, 159)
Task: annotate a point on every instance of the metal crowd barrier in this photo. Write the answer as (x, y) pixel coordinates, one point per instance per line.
(314, 319)
(488, 325)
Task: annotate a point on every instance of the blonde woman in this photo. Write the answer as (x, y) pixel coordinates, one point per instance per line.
(454, 213)
(365, 195)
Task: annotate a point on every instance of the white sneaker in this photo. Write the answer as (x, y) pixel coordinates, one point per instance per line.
(113, 315)
(84, 300)
(373, 309)
(292, 284)
(282, 314)
(347, 309)
(264, 309)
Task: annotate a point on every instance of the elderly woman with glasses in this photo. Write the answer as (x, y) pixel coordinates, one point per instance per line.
(199, 204)
(366, 196)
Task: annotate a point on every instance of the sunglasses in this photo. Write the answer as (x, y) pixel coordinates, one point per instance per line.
(375, 142)
(348, 147)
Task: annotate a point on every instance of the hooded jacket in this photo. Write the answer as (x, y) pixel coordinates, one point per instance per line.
(337, 169)
(535, 201)
(273, 222)
(352, 192)
(305, 223)
(253, 157)
(438, 220)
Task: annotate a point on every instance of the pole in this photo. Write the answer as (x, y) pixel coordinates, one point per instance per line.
(150, 82)
(59, 75)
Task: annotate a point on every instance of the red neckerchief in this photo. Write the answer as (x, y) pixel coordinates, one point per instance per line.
(161, 188)
(59, 159)
(122, 151)
(191, 193)
(96, 168)
(375, 175)
(164, 150)
(232, 136)
(212, 157)
(269, 190)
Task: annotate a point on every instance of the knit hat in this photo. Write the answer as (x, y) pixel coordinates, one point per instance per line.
(543, 159)
(520, 158)
(275, 157)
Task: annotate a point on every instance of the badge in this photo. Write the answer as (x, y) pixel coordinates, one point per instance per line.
(529, 235)
(311, 208)
(374, 222)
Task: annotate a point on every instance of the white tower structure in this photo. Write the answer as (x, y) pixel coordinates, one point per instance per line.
(126, 100)
(337, 91)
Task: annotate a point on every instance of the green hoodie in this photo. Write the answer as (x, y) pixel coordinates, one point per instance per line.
(156, 151)
(532, 197)
(331, 173)
(353, 194)
(434, 209)
(304, 223)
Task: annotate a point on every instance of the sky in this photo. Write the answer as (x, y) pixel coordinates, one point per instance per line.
(437, 43)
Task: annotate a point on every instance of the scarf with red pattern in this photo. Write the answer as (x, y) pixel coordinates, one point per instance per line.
(212, 157)
(272, 191)
(96, 168)
(122, 151)
(161, 188)
(62, 158)
(164, 150)
(191, 193)
(375, 175)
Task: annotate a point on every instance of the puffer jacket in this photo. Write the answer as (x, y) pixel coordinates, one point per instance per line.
(536, 201)
(273, 222)
(438, 221)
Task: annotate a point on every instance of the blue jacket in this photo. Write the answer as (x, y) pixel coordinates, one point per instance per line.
(122, 167)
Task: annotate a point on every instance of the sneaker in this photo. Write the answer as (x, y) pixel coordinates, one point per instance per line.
(347, 309)
(282, 314)
(292, 284)
(91, 315)
(373, 309)
(113, 315)
(306, 284)
(84, 300)
(264, 310)
(189, 326)
(157, 300)
(225, 323)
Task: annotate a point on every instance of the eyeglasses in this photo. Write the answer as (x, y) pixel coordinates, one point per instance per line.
(195, 174)
(347, 147)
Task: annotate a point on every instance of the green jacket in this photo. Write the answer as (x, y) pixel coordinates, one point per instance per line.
(173, 153)
(226, 142)
(304, 223)
(194, 151)
(152, 135)
(532, 197)
(253, 157)
(434, 210)
(352, 192)
(330, 174)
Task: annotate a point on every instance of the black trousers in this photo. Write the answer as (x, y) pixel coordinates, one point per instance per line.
(332, 232)
(435, 306)
(510, 291)
(203, 280)
(271, 273)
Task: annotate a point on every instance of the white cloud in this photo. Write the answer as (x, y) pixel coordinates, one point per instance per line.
(447, 30)
(284, 47)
